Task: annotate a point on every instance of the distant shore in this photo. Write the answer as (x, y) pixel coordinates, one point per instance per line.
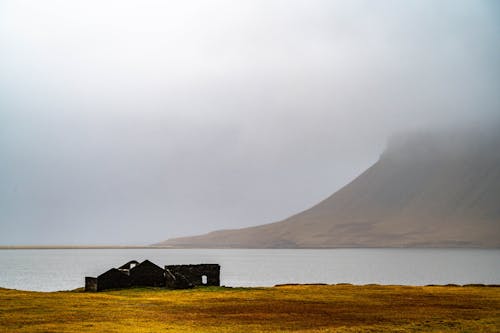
(104, 247)
(84, 247)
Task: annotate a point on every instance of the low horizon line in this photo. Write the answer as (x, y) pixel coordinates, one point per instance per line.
(110, 247)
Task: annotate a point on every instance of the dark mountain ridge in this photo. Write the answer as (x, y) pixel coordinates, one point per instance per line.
(427, 190)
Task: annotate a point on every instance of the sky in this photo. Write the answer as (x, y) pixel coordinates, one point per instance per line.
(131, 122)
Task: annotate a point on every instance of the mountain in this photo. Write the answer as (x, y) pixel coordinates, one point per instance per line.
(426, 190)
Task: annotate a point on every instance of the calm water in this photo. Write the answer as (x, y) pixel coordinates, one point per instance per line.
(48, 270)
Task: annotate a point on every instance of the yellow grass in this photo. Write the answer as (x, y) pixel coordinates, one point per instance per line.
(306, 308)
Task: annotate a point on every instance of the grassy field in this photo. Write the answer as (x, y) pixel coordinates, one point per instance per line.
(302, 308)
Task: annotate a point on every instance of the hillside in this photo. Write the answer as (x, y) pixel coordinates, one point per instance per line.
(426, 190)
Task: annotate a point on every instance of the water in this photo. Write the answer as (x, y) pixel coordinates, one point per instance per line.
(50, 270)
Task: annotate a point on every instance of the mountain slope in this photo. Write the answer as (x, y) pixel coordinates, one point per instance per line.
(427, 189)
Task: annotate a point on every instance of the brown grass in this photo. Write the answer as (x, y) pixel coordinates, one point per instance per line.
(294, 308)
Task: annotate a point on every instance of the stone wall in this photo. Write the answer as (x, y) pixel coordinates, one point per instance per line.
(90, 283)
(147, 274)
(175, 280)
(113, 279)
(198, 275)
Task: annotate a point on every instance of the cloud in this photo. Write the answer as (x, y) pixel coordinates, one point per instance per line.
(130, 122)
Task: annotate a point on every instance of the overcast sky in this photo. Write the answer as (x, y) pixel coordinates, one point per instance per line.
(130, 122)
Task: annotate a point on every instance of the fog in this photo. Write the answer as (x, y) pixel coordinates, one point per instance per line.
(130, 122)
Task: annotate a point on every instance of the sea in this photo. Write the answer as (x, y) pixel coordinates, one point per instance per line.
(65, 269)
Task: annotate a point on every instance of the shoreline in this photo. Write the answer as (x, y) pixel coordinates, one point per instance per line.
(118, 247)
(78, 247)
(284, 285)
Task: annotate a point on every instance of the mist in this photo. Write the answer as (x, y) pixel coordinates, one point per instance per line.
(127, 122)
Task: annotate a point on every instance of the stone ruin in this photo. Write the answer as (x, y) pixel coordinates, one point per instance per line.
(147, 274)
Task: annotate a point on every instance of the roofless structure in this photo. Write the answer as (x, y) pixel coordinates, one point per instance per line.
(148, 274)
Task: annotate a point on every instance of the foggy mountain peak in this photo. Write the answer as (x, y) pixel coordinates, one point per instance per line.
(438, 190)
(122, 122)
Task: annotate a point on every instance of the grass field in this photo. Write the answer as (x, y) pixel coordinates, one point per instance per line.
(301, 308)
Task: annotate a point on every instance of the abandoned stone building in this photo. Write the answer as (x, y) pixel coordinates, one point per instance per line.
(147, 274)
